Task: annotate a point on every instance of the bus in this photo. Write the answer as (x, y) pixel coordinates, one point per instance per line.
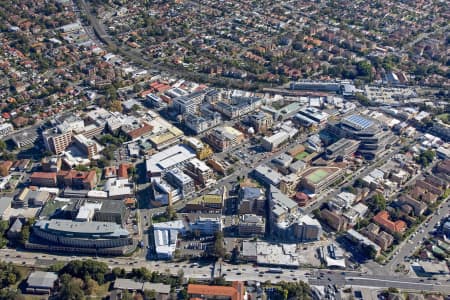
(275, 271)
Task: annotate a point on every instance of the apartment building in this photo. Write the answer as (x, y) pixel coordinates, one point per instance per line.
(201, 173)
(89, 147)
(57, 141)
(224, 138)
(47, 179)
(251, 225)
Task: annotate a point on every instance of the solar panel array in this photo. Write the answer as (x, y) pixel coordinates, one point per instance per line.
(358, 122)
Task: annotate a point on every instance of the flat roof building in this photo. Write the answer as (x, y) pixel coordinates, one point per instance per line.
(161, 162)
(40, 282)
(267, 175)
(76, 234)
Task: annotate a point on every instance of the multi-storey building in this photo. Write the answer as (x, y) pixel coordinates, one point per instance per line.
(261, 121)
(224, 138)
(251, 225)
(286, 222)
(343, 148)
(180, 180)
(188, 103)
(89, 147)
(198, 170)
(82, 235)
(160, 163)
(205, 121)
(5, 129)
(206, 226)
(251, 201)
(373, 138)
(57, 141)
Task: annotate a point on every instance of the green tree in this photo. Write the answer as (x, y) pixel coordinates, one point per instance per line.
(71, 288)
(377, 203)
(219, 248)
(149, 295)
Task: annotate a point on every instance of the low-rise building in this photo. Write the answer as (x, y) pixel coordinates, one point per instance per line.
(267, 175)
(209, 203)
(382, 219)
(40, 282)
(206, 225)
(316, 179)
(234, 292)
(47, 179)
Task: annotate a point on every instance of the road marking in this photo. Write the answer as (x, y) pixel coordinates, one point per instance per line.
(385, 280)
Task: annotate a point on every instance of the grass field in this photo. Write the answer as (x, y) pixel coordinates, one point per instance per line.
(444, 118)
(302, 155)
(317, 176)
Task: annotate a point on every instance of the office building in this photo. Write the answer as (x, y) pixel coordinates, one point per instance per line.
(311, 116)
(165, 235)
(273, 142)
(341, 149)
(79, 235)
(372, 137)
(224, 138)
(118, 188)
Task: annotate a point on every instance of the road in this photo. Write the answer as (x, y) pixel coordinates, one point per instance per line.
(241, 272)
(382, 282)
(407, 247)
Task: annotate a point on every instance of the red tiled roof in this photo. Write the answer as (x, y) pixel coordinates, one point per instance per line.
(123, 171)
(382, 219)
(47, 175)
(235, 292)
